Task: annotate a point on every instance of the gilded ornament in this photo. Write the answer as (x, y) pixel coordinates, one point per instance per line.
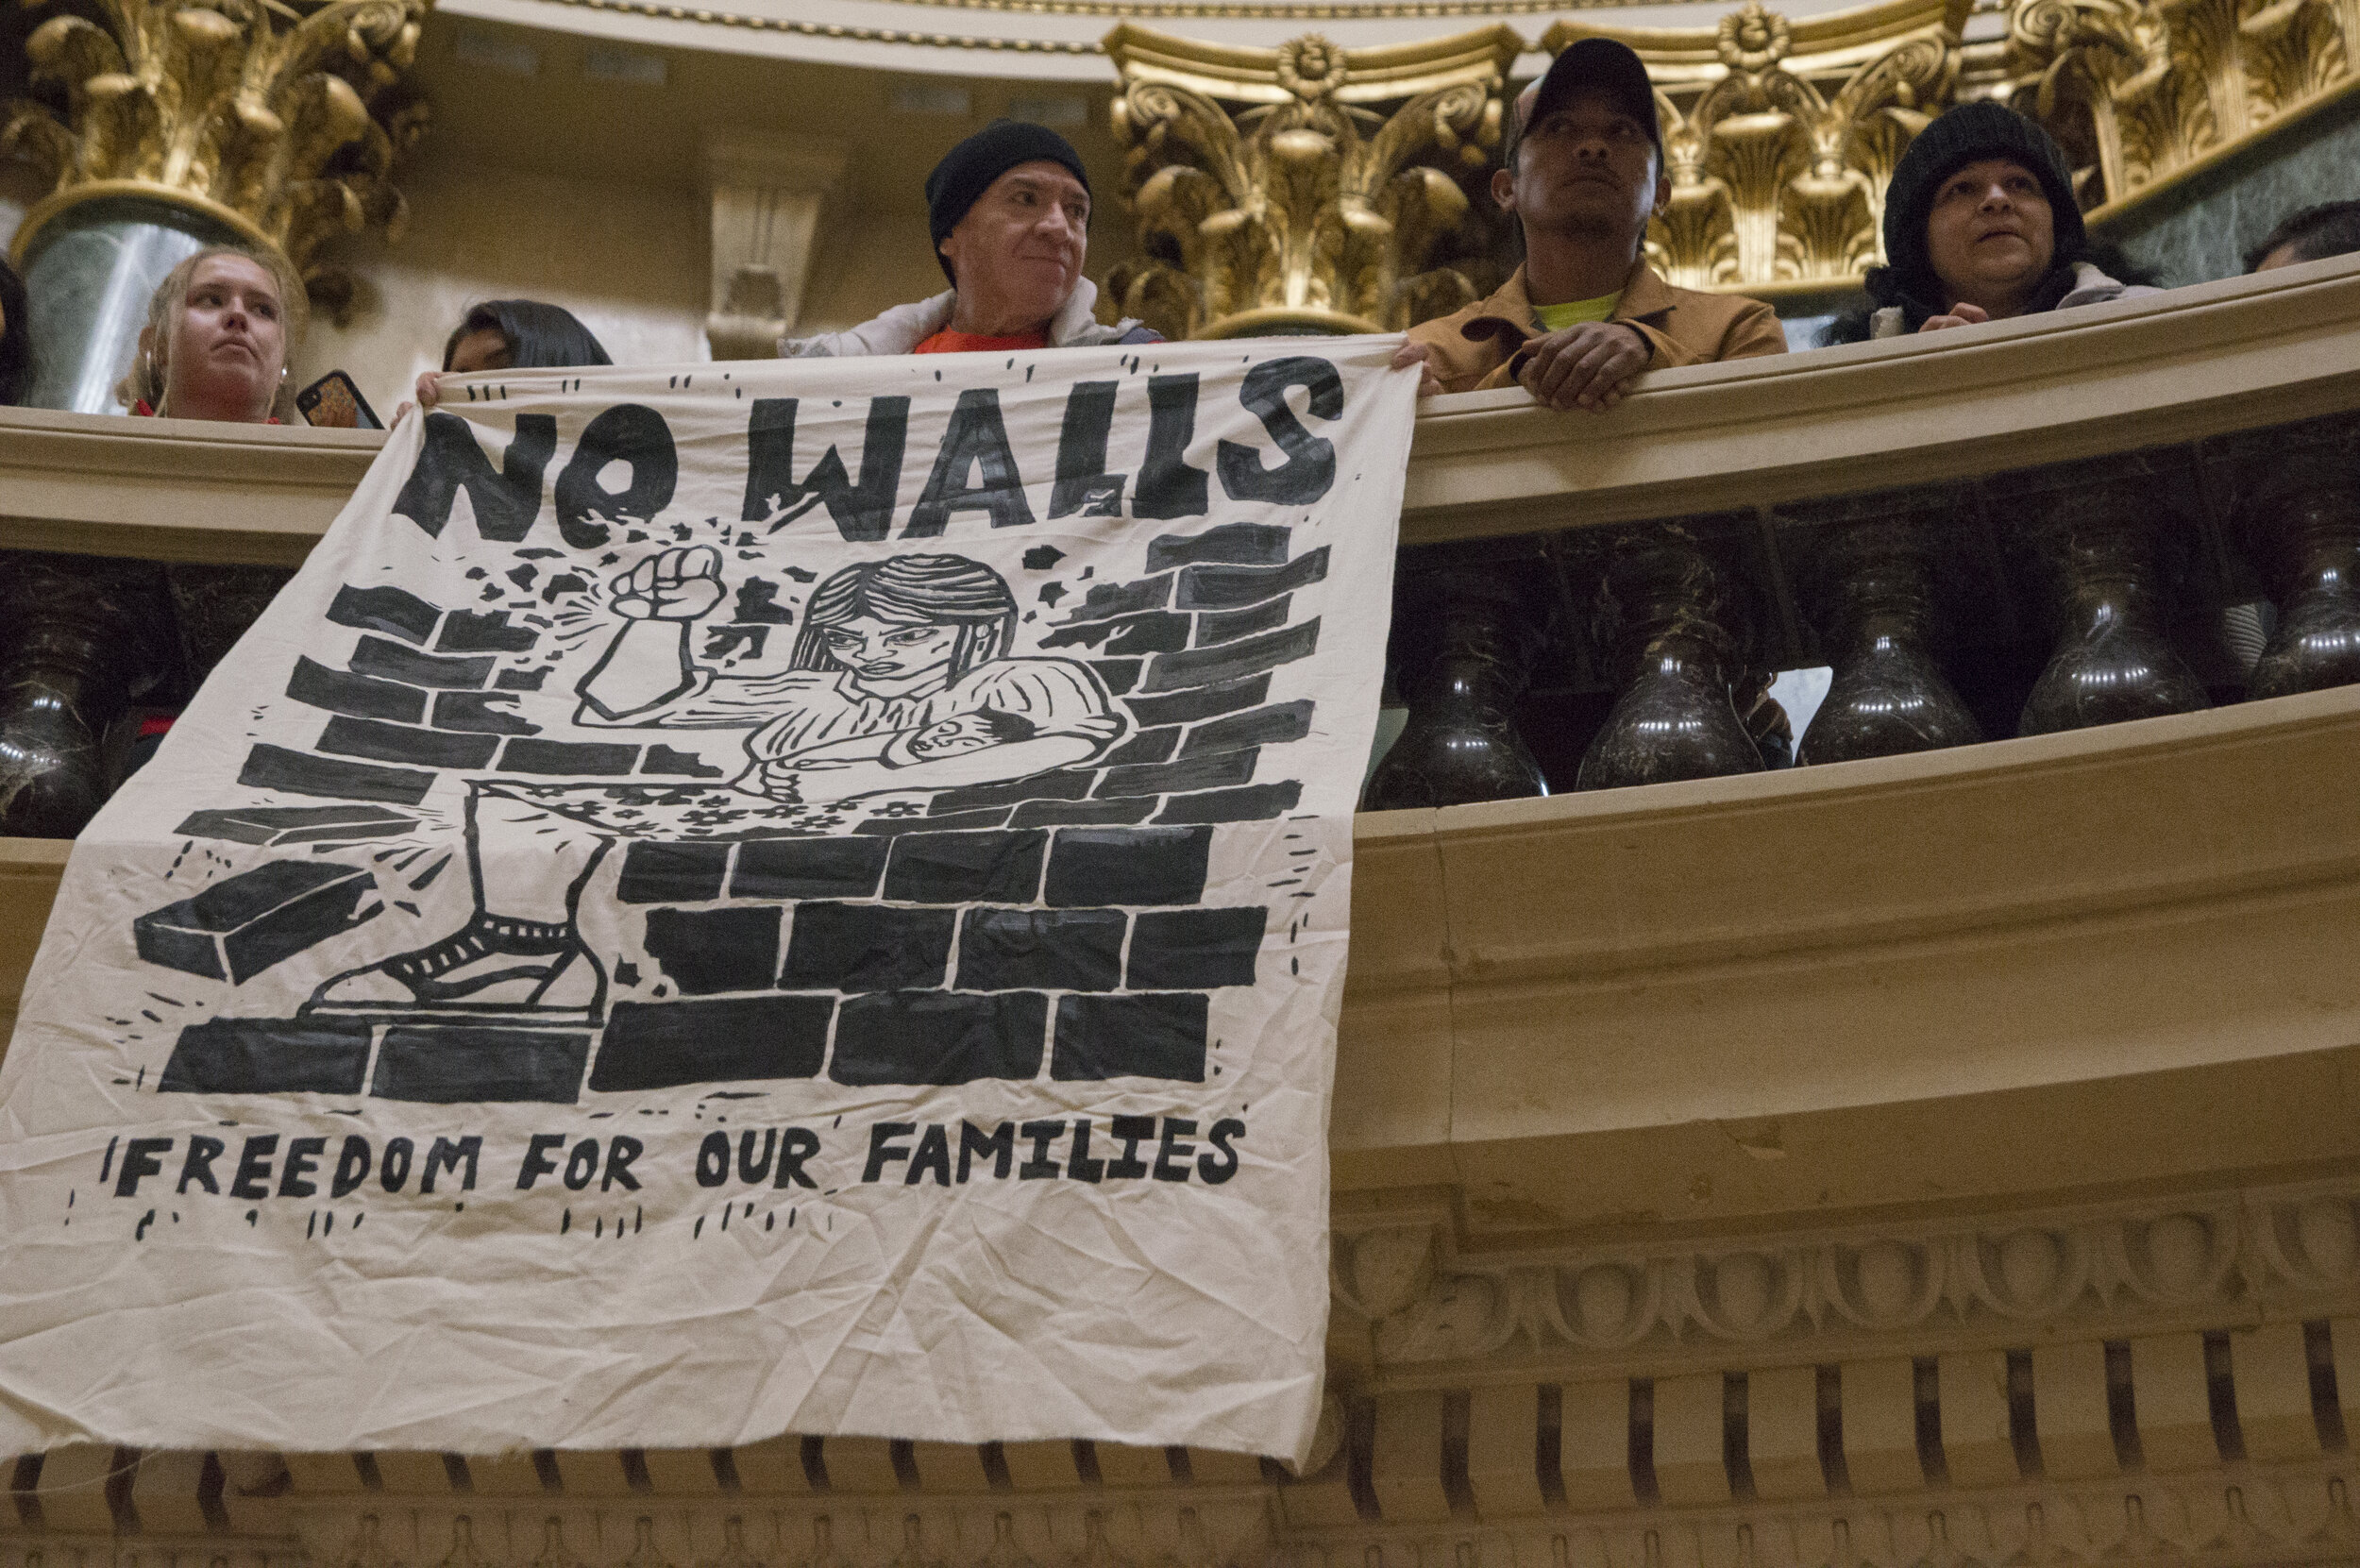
(1753, 40)
(1272, 195)
(2143, 91)
(280, 123)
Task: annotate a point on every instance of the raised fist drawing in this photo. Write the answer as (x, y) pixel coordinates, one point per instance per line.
(674, 584)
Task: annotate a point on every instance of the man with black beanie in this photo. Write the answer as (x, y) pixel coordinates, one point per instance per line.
(1009, 212)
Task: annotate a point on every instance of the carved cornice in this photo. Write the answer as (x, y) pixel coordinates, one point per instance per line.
(798, 27)
(2297, 1516)
(1282, 10)
(2145, 91)
(764, 197)
(2198, 1262)
(1779, 136)
(1686, 58)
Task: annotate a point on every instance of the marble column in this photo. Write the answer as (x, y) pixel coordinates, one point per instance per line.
(89, 276)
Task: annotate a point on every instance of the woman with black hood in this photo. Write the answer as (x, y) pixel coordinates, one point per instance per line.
(512, 334)
(1980, 225)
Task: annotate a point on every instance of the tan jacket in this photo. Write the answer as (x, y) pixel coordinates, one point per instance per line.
(1478, 347)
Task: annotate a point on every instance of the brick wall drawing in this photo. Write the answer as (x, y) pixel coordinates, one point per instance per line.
(1052, 926)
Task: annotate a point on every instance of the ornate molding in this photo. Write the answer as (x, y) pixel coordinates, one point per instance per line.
(2200, 1263)
(799, 28)
(1779, 136)
(2143, 90)
(2300, 1516)
(280, 123)
(1272, 195)
(1167, 1528)
(766, 197)
(1282, 10)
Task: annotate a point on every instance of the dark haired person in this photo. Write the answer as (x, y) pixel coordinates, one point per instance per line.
(511, 334)
(2313, 234)
(1008, 210)
(1980, 225)
(1585, 312)
(16, 338)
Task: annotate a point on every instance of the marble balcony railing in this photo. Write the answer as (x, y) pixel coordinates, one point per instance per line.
(2037, 527)
(2117, 515)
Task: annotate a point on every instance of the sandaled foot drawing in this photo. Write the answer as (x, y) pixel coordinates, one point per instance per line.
(494, 968)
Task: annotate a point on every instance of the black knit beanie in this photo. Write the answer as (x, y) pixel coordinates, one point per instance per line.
(967, 170)
(1965, 134)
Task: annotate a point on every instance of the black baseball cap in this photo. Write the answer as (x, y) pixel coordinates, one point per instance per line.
(1599, 64)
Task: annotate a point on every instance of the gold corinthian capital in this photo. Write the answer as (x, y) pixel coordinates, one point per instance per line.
(280, 123)
(1306, 187)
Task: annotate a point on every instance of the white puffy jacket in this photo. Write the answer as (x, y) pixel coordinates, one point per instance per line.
(904, 327)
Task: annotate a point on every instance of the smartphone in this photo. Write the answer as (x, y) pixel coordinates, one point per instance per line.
(335, 402)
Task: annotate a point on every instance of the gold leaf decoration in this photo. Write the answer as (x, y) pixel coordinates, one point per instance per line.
(281, 122)
(1274, 193)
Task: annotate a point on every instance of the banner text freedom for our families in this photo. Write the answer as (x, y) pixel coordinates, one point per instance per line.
(780, 897)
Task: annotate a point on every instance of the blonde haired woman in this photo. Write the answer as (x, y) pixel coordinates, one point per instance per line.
(219, 330)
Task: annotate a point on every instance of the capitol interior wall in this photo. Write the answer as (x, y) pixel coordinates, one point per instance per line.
(2201, 229)
(629, 261)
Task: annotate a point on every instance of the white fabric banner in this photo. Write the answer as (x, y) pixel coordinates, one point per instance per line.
(802, 897)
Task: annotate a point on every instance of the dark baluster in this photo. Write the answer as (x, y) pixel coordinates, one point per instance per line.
(1676, 631)
(215, 605)
(2113, 661)
(1872, 595)
(1464, 657)
(78, 636)
(2305, 533)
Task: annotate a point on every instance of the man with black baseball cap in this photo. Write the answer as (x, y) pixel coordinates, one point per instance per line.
(1584, 173)
(1008, 210)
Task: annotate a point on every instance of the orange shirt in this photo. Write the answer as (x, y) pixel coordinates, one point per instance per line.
(971, 342)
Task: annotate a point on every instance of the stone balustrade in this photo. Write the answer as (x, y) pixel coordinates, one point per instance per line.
(2066, 521)
(2042, 533)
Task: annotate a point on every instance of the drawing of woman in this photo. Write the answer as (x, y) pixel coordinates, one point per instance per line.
(909, 684)
(901, 679)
